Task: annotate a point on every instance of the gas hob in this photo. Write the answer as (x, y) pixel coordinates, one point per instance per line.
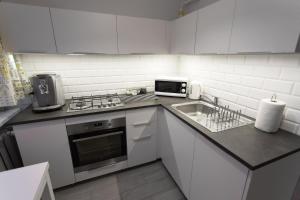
(94, 102)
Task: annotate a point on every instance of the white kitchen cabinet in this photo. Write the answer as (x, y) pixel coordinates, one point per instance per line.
(84, 32)
(266, 26)
(216, 175)
(26, 29)
(183, 34)
(214, 27)
(177, 147)
(47, 142)
(141, 35)
(141, 125)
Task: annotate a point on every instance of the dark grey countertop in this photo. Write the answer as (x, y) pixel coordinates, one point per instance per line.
(248, 145)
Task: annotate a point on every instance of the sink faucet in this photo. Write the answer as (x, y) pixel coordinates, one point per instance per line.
(211, 98)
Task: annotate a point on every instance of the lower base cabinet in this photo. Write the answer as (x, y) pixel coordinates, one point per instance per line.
(176, 149)
(215, 174)
(141, 125)
(47, 142)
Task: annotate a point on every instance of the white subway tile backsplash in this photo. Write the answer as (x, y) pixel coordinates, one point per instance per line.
(259, 94)
(252, 82)
(248, 102)
(233, 78)
(296, 90)
(278, 86)
(100, 74)
(236, 59)
(266, 72)
(292, 115)
(256, 59)
(284, 60)
(239, 81)
(244, 70)
(289, 126)
(290, 74)
(251, 112)
(291, 101)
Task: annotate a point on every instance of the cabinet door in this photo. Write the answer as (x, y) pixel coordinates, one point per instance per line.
(141, 127)
(216, 175)
(47, 142)
(183, 34)
(26, 29)
(266, 26)
(141, 35)
(177, 147)
(84, 32)
(214, 27)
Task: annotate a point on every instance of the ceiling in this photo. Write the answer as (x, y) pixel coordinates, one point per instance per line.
(159, 9)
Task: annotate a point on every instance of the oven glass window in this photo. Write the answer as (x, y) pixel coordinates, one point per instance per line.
(89, 148)
(167, 86)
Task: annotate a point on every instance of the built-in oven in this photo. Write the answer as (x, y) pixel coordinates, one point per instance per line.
(171, 86)
(97, 144)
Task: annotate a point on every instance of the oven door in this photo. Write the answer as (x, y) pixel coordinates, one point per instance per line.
(170, 88)
(97, 149)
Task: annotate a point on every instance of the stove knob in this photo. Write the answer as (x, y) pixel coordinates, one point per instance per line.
(183, 90)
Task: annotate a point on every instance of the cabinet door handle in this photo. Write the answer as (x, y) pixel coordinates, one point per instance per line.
(141, 123)
(142, 138)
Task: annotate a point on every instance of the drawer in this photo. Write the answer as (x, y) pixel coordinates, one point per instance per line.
(140, 117)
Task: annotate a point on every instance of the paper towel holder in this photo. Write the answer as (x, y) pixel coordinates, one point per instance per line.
(274, 98)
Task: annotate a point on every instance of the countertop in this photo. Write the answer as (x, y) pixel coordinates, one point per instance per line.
(250, 146)
(25, 183)
(6, 115)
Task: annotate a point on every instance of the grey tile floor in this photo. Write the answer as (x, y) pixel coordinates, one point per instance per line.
(148, 182)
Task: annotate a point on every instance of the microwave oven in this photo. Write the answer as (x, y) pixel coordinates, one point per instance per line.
(171, 86)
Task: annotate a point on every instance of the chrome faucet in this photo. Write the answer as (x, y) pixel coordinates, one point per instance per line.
(211, 98)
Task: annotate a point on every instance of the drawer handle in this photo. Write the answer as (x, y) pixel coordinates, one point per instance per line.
(141, 123)
(142, 137)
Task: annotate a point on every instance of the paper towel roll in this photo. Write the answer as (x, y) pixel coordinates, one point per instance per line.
(270, 114)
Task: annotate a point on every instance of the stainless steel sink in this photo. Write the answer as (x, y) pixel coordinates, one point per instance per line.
(213, 117)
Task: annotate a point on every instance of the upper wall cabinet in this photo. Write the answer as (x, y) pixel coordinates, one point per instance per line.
(214, 27)
(266, 26)
(26, 28)
(183, 31)
(84, 32)
(141, 35)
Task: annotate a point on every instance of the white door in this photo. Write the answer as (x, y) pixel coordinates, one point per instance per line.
(214, 27)
(141, 35)
(141, 125)
(216, 175)
(26, 29)
(84, 32)
(266, 26)
(47, 142)
(183, 34)
(177, 147)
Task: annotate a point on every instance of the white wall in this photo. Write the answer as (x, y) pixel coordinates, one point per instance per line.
(241, 81)
(160, 9)
(101, 74)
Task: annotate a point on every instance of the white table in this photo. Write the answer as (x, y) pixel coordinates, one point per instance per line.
(27, 183)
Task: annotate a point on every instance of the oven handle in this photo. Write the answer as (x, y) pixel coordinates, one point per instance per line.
(97, 136)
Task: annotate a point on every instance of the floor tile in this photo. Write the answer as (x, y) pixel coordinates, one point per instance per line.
(148, 182)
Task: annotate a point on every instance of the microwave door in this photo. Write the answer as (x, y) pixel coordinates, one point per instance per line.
(168, 87)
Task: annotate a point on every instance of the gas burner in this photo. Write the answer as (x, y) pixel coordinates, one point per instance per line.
(94, 102)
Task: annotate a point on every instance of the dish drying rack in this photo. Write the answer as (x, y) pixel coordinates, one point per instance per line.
(221, 118)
